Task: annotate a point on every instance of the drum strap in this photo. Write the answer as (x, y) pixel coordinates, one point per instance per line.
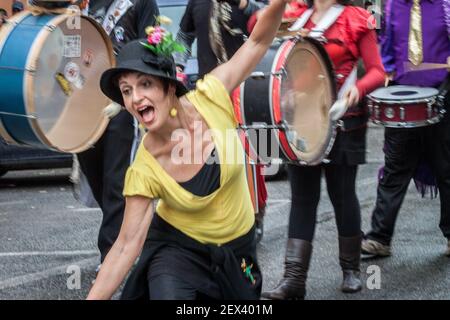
(325, 22)
(115, 12)
(328, 19)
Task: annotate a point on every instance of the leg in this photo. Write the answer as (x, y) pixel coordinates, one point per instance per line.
(341, 181)
(402, 152)
(305, 196)
(305, 191)
(118, 140)
(168, 287)
(91, 163)
(439, 150)
(341, 185)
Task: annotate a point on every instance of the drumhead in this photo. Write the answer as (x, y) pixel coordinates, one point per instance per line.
(404, 93)
(63, 90)
(307, 92)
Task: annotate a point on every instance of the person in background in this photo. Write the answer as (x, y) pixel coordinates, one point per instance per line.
(106, 163)
(414, 32)
(348, 39)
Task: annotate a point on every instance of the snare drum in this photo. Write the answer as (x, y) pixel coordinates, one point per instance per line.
(283, 107)
(404, 106)
(50, 68)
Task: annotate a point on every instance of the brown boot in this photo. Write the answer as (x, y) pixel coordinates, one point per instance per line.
(349, 258)
(292, 286)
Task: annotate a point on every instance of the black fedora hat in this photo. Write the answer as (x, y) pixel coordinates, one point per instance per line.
(134, 56)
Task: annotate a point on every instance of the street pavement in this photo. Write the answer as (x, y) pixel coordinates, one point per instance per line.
(48, 240)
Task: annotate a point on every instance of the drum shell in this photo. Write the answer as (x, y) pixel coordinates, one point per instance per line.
(404, 113)
(256, 95)
(13, 60)
(258, 102)
(25, 118)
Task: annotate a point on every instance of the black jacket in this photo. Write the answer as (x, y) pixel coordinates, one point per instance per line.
(131, 25)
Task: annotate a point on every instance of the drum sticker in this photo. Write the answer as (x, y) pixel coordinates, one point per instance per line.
(119, 34)
(88, 56)
(73, 75)
(63, 83)
(72, 46)
(71, 71)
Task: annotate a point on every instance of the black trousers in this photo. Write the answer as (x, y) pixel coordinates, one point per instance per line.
(105, 166)
(403, 151)
(305, 189)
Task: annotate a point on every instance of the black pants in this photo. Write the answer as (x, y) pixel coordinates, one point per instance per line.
(105, 166)
(169, 287)
(305, 190)
(403, 151)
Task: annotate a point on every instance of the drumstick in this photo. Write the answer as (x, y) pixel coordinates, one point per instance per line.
(338, 109)
(426, 66)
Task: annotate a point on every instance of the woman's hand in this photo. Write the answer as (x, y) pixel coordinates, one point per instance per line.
(352, 96)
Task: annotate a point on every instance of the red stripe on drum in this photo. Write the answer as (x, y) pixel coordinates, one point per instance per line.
(286, 146)
(276, 85)
(236, 98)
(285, 50)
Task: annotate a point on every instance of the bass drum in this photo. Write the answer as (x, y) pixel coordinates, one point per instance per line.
(50, 68)
(283, 107)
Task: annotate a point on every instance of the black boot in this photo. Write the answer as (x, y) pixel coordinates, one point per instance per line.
(259, 222)
(292, 286)
(349, 258)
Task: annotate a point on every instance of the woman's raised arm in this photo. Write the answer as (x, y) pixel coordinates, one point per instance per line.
(239, 67)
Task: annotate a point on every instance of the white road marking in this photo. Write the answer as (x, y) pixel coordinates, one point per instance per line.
(48, 253)
(21, 280)
(86, 209)
(11, 202)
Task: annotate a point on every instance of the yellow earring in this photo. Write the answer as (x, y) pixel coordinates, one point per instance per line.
(173, 112)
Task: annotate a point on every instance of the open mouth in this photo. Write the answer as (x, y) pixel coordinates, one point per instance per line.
(147, 113)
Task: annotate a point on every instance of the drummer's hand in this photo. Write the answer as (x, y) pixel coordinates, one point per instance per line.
(352, 96)
(112, 110)
(303, 32)
(389, 77)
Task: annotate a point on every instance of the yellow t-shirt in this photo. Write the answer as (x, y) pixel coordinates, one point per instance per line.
(222, 216)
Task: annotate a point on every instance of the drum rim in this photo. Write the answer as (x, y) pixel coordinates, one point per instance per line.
(29, 81)
(403, 101)
(324, 151)
(5, 32)
(289, 44)
(408, 124)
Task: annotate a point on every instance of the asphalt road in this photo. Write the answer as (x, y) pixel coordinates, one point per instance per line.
(48, 241)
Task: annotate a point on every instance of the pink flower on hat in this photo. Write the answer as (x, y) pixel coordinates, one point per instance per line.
(155, 38)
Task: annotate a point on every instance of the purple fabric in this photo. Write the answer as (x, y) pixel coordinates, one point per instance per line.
(387, 48)
(436, 43)
(424, 179)
(446, 4)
